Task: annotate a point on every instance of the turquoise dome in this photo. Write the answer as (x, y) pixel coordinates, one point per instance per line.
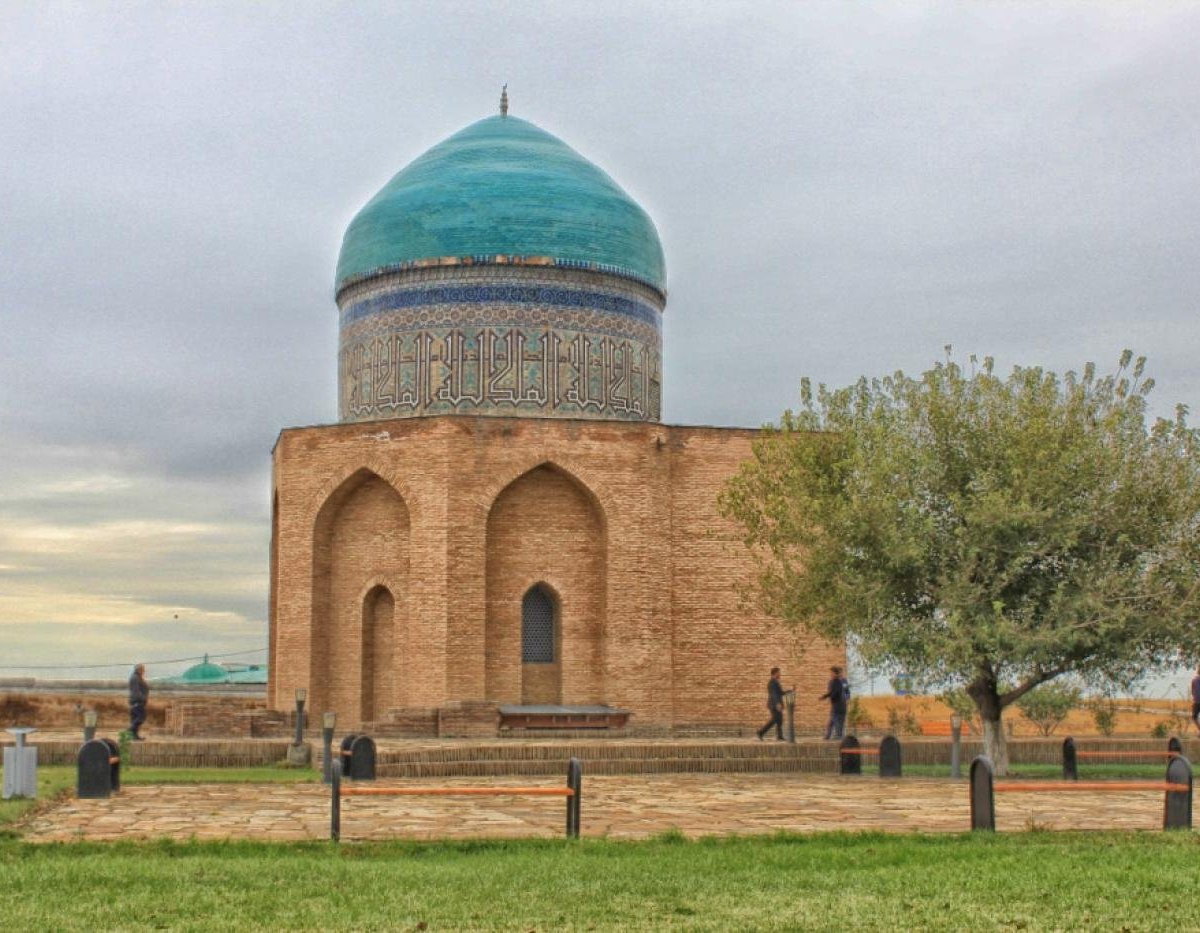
(502, 187)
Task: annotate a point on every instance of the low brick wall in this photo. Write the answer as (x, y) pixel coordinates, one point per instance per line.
(200, 753)
(936, 751)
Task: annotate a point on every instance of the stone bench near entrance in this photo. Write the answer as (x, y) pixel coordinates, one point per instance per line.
(562, 717)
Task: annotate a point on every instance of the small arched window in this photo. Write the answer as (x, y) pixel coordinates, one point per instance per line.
(537, 627)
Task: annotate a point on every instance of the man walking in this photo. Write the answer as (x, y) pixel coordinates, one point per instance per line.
(775, 705)
(838, 694)
(1196, 699)
(139, 695)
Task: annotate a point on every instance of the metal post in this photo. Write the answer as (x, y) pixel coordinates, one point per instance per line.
(335, 803)
(301, 696)
(575, 783)
(956, 746)
(328, 724)
(789, 703)
(90, 717)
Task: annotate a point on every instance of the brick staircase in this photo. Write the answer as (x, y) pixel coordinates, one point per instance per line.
(599, 757)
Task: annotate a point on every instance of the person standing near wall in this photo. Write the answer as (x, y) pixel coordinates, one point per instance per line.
(775, 705)
(1196, 699)
(837, 693)
(139, 695)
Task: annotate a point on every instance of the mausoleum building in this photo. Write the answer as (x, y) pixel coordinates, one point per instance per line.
(501, 528)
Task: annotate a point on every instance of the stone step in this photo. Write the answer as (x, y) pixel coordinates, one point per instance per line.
(547, 768)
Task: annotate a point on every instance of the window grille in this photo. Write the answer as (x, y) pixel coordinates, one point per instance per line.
(537, 627)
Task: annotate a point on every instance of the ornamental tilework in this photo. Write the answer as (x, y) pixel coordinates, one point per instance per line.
(502, 342)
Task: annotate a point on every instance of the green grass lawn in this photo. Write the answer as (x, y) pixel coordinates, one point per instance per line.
(1035, 881)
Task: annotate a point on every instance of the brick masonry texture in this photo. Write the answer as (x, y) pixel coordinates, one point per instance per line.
(402, 550)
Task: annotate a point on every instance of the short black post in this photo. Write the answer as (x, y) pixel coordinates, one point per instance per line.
(93, 778)
(983, 795)
(1174, 745)
(335, 801)
(1070, 760)
(889, 757)
(848, 761)
(1177, 804)
(362, 759)
(956, 746)
(575, 783)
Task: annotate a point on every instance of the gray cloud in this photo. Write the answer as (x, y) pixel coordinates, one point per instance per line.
(841, 190)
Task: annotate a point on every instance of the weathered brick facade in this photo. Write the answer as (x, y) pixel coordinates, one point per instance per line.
(402, 550)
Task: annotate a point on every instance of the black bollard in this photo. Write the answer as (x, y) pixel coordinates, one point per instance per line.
(1174, 745)
(889, 757)
(848, 762)
(335, 801)
(1070, 760)
(94, 778)
(114, 758)
(983, 796)
(362, 759)
(1177, 805)
(574, 802)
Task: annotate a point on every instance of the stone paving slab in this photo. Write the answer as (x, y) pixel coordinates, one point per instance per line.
(613, 806)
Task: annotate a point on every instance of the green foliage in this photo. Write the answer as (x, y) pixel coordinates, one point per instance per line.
(980, 530)
(1104, 714)
(857, 718)
(861, 881)
(961, 704)
(1049, 705)
(902, 721)
(1161, 729)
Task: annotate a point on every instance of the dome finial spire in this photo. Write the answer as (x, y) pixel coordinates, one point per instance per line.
(504, 101)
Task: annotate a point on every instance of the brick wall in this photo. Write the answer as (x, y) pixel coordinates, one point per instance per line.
(458, 516)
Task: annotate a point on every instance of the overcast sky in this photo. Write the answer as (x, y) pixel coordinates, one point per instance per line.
(841, 189)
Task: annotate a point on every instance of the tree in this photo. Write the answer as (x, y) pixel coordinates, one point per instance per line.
(978, 531)
(1048, 706)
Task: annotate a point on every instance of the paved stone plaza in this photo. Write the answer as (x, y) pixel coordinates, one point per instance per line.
(614, 806)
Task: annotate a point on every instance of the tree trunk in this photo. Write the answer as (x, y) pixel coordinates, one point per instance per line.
(995, 745)
(985, 692)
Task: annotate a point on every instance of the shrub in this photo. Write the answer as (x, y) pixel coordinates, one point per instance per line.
(857, 717)
(1048, 705)
(1104, 714)
(901, 721)
(962, 705)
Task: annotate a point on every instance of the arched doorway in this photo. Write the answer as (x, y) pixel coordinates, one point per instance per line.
(378, 646)
(546, 556)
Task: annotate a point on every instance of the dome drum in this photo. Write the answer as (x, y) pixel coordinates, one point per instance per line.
(500, 340)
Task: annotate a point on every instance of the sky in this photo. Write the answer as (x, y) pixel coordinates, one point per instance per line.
(842, 189)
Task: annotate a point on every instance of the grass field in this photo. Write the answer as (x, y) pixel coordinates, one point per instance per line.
(853, 881)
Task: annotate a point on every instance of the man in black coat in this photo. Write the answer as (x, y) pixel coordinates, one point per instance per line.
(775, 705)
(139, 695)
(838, 695)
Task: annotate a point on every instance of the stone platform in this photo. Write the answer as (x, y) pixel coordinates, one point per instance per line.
(614, 806)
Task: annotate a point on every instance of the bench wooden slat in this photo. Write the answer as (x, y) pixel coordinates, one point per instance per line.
(457, 792)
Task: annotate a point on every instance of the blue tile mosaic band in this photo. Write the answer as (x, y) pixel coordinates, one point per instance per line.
(513, 342)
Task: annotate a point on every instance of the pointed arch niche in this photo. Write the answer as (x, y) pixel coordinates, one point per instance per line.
(546, 548)
(360, 578)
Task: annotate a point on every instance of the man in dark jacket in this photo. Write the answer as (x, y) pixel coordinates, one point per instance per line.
(1196, 699)
(838, 695)
(775, 705)
(139, 695)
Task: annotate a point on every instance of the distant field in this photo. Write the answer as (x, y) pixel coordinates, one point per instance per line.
(1135, 717)
(1031, 881)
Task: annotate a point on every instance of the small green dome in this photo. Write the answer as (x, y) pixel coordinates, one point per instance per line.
(502, 187)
